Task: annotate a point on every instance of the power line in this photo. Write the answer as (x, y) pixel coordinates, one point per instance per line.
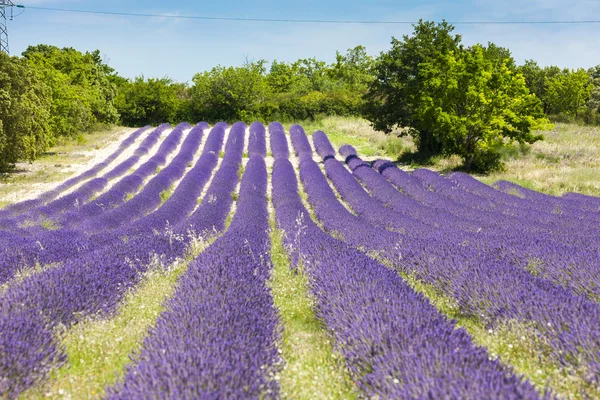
(305, 21)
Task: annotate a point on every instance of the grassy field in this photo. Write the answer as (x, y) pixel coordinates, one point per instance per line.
(567, 160)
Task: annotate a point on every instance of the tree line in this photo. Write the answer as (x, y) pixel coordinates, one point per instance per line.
(452, 98)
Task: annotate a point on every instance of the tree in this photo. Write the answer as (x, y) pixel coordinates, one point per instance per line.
(230, 94)
(568, 92)
(395, 92)
(24, 112)
(594, 72)
(453, 100)
(474, 104)
(81, 87)
(593, 103)
(153, 101)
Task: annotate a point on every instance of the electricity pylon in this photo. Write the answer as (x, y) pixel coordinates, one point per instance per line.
(5, 5)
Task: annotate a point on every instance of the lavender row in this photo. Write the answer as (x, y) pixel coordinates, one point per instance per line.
(395, 343)
(390, 198)
(568, 258)
(21, 253)
(555, 253)
(184, 198)
(564, 206)
(545, 253)
(116, 196)
(539, 213)
(92, 283)
(360, 200)
(341, 223)
(90, 173)
(586, 202)
(57, 246)
(495, 292)
(150, 195)
(218, 337)
(83, 193)
(257, 143)
(457, 207)
(211, 216)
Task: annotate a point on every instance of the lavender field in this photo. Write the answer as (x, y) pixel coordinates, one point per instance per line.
(416, 284)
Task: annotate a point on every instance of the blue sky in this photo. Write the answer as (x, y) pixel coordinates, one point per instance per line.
(157, 47)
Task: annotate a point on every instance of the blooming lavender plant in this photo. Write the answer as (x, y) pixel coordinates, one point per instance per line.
(396, 345)
(218, 337)
(90, 173)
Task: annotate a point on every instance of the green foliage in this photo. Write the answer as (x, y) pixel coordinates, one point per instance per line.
(568, 92)
(151, 101)
(230, 94)
(24, 112)
(566, 95)
(82, 93)
(592, 114)
(393, 95)
(453, 100)
(300, 90)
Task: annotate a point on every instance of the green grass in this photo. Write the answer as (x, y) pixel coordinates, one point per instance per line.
(99, 349)
(514, 344)
(312, 370)
(166, 194)
(46, 223)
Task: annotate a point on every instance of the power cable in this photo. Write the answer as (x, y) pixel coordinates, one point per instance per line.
(305, 21)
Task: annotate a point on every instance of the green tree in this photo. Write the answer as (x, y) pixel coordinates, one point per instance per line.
(475, 104)
(593, 103)
(82, 89)
(24, 112)
(153, 101)
(394, 94)
(453, 100)
(594, 72)
(568, 92)
(231, 94)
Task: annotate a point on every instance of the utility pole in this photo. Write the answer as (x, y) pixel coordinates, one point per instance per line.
(4, 6)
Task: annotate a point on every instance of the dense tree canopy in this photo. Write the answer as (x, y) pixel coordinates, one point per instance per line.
(151, 101)
(24, 112)
(82, 93)
(452, 99)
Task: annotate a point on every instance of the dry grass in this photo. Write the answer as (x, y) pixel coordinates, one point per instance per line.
(57, 164)
(568, 160)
